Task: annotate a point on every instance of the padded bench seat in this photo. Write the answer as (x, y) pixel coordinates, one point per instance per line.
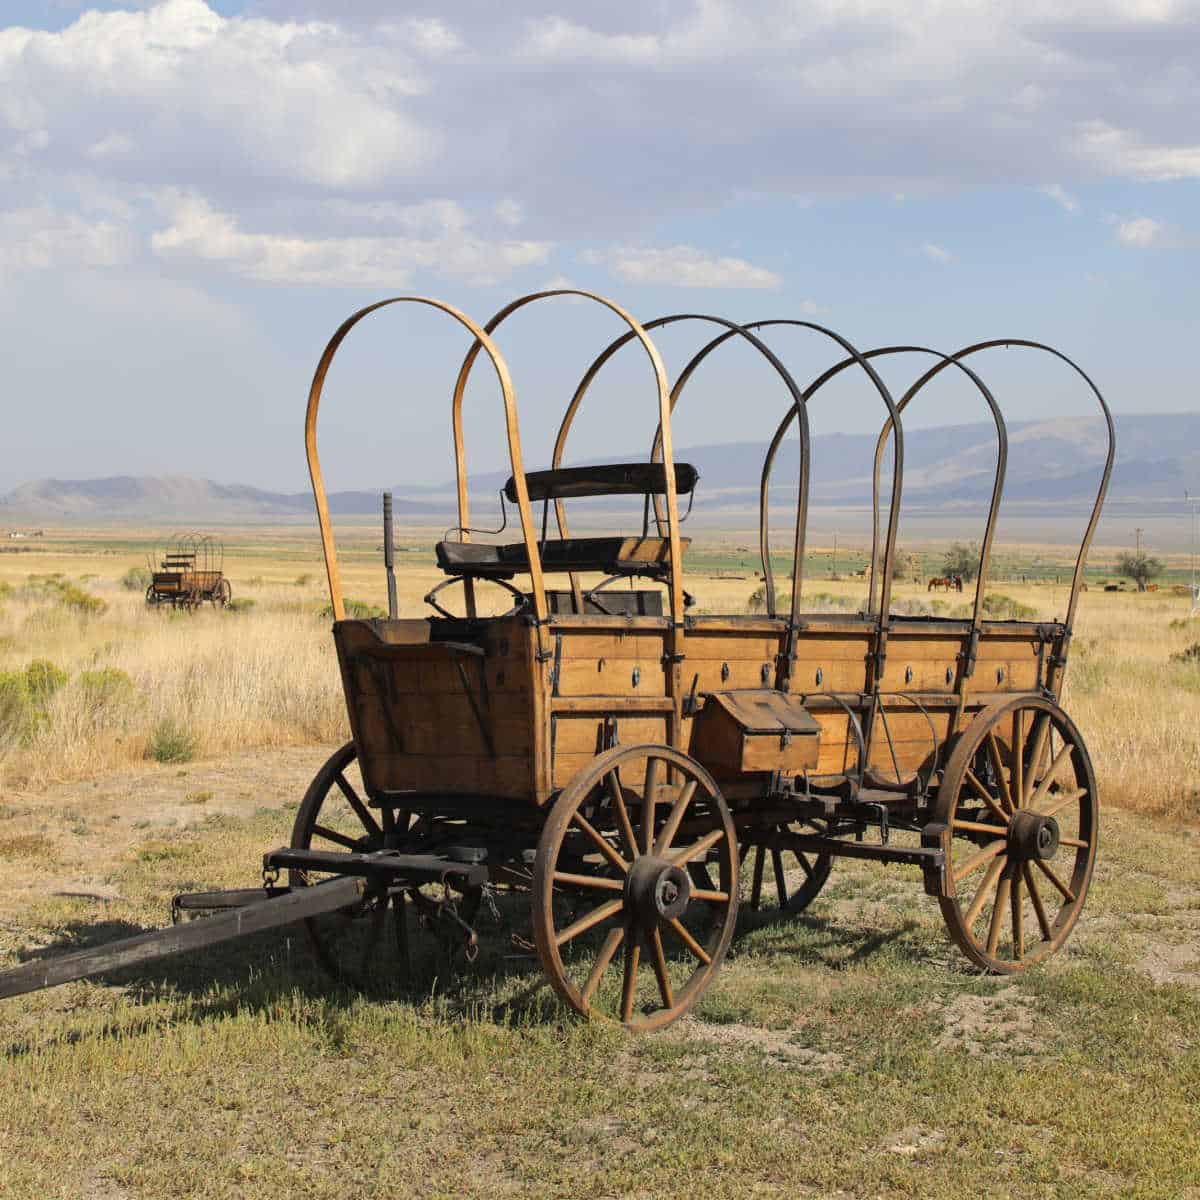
(609, 555)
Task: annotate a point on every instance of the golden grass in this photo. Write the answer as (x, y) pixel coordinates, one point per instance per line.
(269, 676)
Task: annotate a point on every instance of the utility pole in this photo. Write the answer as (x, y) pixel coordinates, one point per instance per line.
(835, 574)
(1137, 533)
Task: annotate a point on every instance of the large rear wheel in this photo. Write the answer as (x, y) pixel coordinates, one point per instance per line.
(1020, 816)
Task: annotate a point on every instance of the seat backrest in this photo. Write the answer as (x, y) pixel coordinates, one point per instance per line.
(607, 479)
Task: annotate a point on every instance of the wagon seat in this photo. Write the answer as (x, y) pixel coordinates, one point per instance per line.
(644, 556)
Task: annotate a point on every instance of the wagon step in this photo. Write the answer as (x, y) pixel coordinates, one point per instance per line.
(269, 912)
(382, 864)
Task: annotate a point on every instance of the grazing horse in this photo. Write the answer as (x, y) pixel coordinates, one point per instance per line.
(945, 583)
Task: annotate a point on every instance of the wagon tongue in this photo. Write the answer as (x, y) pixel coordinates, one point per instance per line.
(271, 912)
(246, 911)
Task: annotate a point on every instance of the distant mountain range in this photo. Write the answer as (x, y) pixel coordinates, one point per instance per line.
(1054, 462)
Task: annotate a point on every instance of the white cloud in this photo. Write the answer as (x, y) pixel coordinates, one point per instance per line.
(1119, 152)
(43, 238)
(1140, 232)
(1061, 197)
(203, 93)
(198, 233)
(509, 212)
(936, 253)
(685, 266)
(560, 40)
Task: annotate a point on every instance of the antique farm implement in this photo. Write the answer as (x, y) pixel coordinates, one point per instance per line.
(635, 768)
(189, 574)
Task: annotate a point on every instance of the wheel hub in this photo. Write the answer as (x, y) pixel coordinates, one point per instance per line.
(1031, 835)
(656, 890)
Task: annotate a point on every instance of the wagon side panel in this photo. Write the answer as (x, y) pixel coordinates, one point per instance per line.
(429, 717)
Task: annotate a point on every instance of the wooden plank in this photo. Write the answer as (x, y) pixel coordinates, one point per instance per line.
(189, 935)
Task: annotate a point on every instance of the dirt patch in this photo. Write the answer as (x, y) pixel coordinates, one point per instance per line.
(1166, 962)
(778, 1044)
(913, 1141)
(994, 1026)
(69, 838)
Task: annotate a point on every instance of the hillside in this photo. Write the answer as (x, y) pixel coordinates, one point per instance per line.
(1054, 462)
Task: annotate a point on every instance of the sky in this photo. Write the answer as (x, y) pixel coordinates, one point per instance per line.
(194, 194)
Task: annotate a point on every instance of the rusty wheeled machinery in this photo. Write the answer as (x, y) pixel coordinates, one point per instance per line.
(190, 573)
(634, 767)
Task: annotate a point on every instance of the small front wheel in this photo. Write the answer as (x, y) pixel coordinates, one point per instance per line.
(612, 880)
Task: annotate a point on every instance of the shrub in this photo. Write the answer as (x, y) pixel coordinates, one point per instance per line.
(1001, 607)
(18, 712)
(43, 679)
(1190, 656)
(171, 742)
(77, 600)
(303, 580)
(962, 559)
(1140, 567)
(5, 588)
(136, 579)
(242, 604)
(758, 599)
(105, 687)
(359, 610)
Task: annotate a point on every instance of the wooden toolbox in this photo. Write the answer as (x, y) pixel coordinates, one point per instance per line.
(758, 729)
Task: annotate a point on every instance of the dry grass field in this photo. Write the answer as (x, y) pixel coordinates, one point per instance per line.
(849, 1052)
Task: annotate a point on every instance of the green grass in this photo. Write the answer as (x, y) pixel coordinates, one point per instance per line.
(847, 1052)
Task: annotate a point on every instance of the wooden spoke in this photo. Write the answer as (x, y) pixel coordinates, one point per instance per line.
(611, 944)
(659, 961)
(780, 882)
(360, 810)
(1018, 757)
(760, 859)
(332, 835)
(1061, 800)
(688, 853)
(1076, 842)
(600, 842)
(649, 804)
(619, 807)
(633, 954)
(977, 860)
(602, 882)
(1018, 917)
(682, 933)
(1051, 775)
(976, 827)
(805, 865)
(1035, 898)
(1068, 895)
(667, 834)
(1041, 742)
(986, 796)
(589, 921)
(1002, 891)
(710, 897)
(985, 888)
(998, 770)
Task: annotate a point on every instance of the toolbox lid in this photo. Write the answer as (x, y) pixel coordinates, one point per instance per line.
(765, 710)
